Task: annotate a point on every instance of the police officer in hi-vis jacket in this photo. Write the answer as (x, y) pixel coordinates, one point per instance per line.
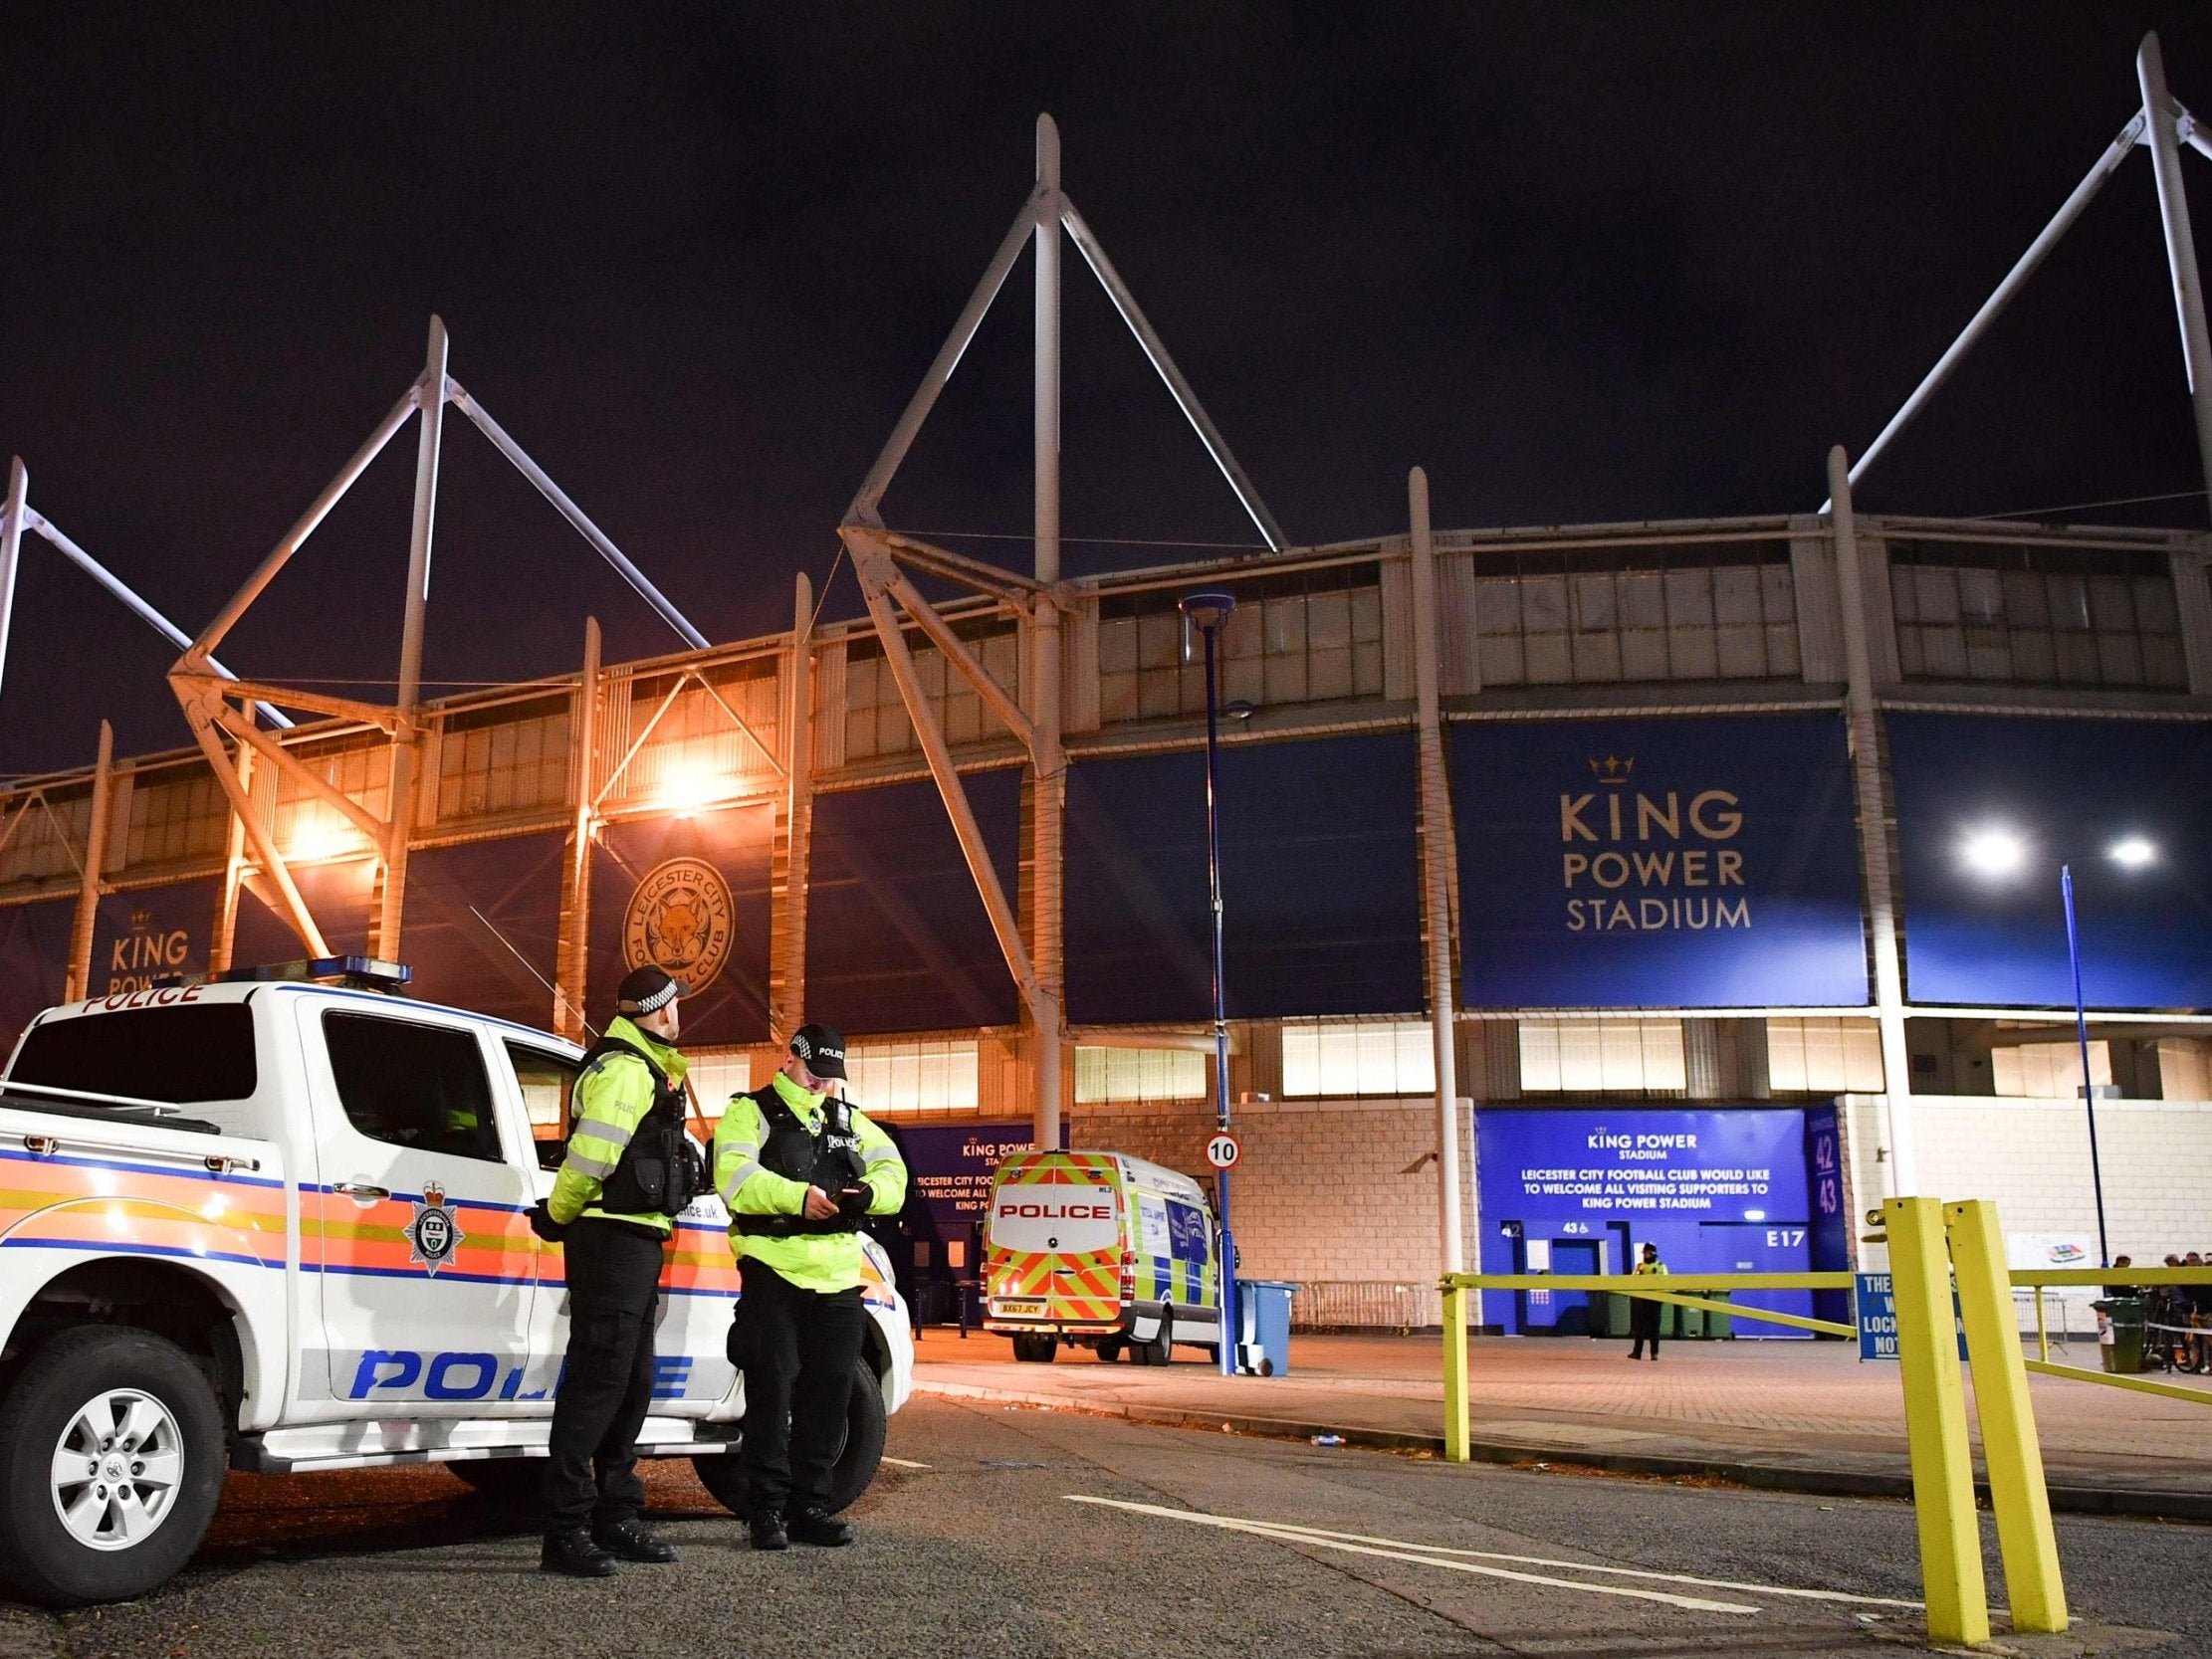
(630, 1169)
(800, 1169)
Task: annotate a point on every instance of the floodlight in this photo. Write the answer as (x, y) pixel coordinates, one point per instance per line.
(1995, 851)
(1208, 610)
(2133, 852)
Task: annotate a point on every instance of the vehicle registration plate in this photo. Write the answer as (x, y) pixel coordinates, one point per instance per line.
(1017, 1305)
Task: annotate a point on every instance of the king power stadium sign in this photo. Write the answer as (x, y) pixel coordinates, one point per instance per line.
(1658, 863)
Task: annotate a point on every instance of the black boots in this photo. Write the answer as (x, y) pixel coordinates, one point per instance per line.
(576, 1553)
(633, 1541)
(819, 1527)
(768, 1532)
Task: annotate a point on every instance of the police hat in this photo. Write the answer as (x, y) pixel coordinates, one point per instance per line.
(645, 989)
(822, 1049)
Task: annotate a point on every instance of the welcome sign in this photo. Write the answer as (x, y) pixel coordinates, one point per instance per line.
(1707, 863)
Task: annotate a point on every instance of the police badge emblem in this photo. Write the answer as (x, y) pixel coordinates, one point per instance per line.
(433, 1234)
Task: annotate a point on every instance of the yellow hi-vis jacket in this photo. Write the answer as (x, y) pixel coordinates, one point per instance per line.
(610, 1097)
(822, 1262)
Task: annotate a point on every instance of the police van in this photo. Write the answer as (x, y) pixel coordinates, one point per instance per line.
(1100, 1250)
(284, 1225)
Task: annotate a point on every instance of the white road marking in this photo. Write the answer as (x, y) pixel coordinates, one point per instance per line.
(1415, 1554)
(904, 1463)
(1617, 1571)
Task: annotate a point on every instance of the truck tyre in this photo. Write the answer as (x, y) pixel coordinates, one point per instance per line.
(865, 1427)
(112, 1455)
(1109, 1348)
(1161, 1349)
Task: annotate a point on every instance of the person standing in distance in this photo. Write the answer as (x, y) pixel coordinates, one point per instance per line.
(630, 1169)
(1643, 1313)
(798, 1168)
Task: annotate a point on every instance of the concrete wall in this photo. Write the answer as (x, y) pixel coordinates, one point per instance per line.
(2033, 1158)
(1327, 1194)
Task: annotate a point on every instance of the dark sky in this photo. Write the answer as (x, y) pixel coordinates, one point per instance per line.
(1586, 263)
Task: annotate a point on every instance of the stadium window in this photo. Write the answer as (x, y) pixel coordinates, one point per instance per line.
(1613, 1057)
(2048, 1071)
(1338, 1058)
(1824, 1056)
(716, 1074)
(1106, 1076)
(2184, 1069)
(922, 1075)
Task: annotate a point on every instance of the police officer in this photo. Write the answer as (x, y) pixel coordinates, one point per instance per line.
(798, 1168)
(630, 1167)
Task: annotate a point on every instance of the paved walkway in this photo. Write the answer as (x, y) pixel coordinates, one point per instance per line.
(1796, 1415)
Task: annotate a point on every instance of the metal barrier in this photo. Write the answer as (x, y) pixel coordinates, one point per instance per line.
(1934, 1248)
(2137, 1278)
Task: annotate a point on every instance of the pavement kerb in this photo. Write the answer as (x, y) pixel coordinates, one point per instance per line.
(1812, 1479)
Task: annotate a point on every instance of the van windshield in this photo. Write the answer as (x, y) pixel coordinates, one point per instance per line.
(1060, 1217)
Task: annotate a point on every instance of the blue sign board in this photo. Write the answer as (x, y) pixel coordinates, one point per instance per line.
(1823, 1176)
(950, 1168)
(1670, 862)
(1721, 1190)
(2070, 788)
(1878, 1318)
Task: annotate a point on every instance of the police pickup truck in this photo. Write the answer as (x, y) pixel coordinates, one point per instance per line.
(284, 1225)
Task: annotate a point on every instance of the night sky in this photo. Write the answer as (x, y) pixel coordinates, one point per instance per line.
(1583, 264)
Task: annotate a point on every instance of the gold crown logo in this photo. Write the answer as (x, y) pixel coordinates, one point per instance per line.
(1613, 770)
(433, 1195)
(140, 920)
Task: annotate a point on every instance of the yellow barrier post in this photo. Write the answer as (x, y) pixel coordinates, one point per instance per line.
(2017, 1493)
(1457, 1432)
(1951, 1581)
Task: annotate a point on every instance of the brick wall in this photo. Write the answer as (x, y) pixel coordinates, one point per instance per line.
(2032, 1158)
(1333, 1194)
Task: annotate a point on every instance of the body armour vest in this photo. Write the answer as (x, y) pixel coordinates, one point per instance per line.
(830, 1161)
(661, 1170)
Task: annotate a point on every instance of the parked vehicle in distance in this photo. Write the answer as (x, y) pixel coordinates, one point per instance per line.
(282, 1225)
(1100, 1250)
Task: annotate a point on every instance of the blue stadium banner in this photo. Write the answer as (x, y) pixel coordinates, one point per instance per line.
(482, 925)
(34, 958)
(1320, 883)
(1669, 862)
(152, 933)
(340, 897)
(897, 937)
(2069, 789)
(690, 893)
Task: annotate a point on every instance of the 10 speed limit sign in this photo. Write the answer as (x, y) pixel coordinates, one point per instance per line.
(1223, 1151)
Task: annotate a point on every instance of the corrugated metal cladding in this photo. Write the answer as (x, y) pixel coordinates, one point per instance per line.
(2071, 787)
(1322, 891)
(897, 937)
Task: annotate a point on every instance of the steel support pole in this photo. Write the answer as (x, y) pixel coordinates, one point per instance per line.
(1436, 875)
(77, 981)
(1231, 1327)
(2088, 1079)
(400, 802)
(11, 549)
(2181, 247)
(1864, 728)
(576, 877)
(787, 997)
(224, 934)
(1048, 770)
(1993, 307)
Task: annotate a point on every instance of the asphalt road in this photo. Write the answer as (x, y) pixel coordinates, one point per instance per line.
(984, 1550)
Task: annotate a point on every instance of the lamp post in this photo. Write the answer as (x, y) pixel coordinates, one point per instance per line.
(2001, 852)
(1208, 613)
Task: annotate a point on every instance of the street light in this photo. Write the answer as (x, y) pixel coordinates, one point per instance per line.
(1996, 851)
(1208, 613)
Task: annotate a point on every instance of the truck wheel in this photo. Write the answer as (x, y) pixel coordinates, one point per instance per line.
(1161, 1349)
(112, 1453)
(1109, 1348)
(857, 1460)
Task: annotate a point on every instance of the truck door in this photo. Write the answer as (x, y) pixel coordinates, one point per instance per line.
(421, 1221)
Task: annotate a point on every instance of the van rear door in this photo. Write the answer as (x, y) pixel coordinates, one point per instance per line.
(1056, 1223)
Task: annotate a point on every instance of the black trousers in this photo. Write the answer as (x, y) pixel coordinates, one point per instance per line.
(614, 1275)
(1643, 1325)
(797, 1348)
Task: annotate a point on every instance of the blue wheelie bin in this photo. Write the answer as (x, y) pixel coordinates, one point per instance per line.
(1264, 1311)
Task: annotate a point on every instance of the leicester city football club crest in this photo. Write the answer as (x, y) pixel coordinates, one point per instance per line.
(434, 1233)
(682, 918)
